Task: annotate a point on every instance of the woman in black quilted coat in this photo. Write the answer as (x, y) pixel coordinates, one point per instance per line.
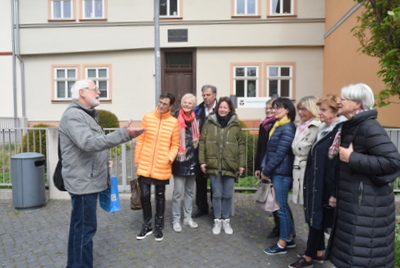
(363, 232)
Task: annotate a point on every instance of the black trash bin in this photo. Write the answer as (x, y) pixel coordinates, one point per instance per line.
(27, 178)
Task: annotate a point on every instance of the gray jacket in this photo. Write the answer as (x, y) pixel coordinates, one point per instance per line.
(84, 147)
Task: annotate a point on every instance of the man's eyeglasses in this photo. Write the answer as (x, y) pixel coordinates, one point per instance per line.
(163, 103)
(91, 88)
(207, 95)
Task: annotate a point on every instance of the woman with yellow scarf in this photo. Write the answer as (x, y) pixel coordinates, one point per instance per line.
(277, 166)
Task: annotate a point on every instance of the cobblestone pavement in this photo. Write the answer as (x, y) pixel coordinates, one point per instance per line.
(38, 238)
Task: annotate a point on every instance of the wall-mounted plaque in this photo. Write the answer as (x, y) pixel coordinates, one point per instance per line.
(177, 35)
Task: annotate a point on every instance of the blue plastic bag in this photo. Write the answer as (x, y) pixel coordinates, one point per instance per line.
(109, 198)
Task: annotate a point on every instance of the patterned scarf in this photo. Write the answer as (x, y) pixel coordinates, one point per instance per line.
(303, 126)
(279, 123)
(267, 123)
(334, 149)
(182, 120)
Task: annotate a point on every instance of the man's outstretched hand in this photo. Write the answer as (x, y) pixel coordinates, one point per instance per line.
(133, 132)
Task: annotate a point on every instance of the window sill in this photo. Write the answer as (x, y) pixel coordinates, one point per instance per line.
(69, 101)
(280, 16)
(246, 17)
(171, 18)
(61, 20)
(93, 20)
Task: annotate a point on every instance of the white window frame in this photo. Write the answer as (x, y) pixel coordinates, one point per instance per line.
(97, 79)
(245, 78)
(279, 77)
(168, 9)
(272, 9)
(93, 16)
(246, 12)
(67, 80)
(62, 13)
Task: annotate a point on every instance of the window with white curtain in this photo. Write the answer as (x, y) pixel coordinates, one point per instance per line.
(100, 75)
(169, 8)
(64, 79)
(281, 7)
(93, 9)
(279, 81)
(61, 9)
(245, 7)
(246, 81)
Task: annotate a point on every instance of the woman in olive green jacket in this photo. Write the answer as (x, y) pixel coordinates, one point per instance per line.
(222, 157)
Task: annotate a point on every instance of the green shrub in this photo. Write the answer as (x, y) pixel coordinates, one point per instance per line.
(251, 149)
(35, 140)
(108, 120)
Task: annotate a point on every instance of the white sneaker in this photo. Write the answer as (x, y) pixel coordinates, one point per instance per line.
(217, 226)
(227, 227)
(177, 226)
(189, 221)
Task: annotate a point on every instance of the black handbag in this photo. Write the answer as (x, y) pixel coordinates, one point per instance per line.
(57, 176)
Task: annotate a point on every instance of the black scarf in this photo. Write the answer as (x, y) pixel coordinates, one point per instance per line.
(223, 120)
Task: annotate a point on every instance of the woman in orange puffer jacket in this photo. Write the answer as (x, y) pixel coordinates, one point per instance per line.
(156, 149)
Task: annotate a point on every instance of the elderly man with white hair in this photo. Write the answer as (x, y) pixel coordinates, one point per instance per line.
(84, 152)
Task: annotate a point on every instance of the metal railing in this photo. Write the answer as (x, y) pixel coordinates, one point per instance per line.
(19, 140)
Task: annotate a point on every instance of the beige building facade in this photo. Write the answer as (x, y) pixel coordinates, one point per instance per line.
(344, 65)
(6, 85)
(250, 49)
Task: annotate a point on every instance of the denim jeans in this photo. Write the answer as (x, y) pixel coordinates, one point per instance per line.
(222, 188)
(282, 186)
(183, 185)
(82, 229)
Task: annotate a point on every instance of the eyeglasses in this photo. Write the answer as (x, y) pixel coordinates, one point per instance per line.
(207, 95)
(277, 108)
(302, 110)
(269, 108)
(91, 88)
(187, 103)
(163, 103)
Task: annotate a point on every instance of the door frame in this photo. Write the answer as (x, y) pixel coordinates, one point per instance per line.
(163, 66)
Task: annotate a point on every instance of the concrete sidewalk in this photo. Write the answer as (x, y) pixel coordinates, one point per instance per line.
(38, 238)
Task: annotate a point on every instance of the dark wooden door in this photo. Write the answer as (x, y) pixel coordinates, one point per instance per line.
(178, 73)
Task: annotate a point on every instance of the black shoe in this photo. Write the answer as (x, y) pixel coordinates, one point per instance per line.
(274, 233)
(146, 231)
(317, 259)
(158, 235)
(199, 213)
(301, 263)
(290, 244)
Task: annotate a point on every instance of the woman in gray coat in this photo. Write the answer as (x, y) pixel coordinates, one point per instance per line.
(363, 232)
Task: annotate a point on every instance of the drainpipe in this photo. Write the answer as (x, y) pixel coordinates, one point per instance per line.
(14, 68)
(157, 47)
(21, 62)
(16, 55)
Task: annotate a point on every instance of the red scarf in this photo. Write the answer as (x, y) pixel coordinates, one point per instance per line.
(182, 120)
